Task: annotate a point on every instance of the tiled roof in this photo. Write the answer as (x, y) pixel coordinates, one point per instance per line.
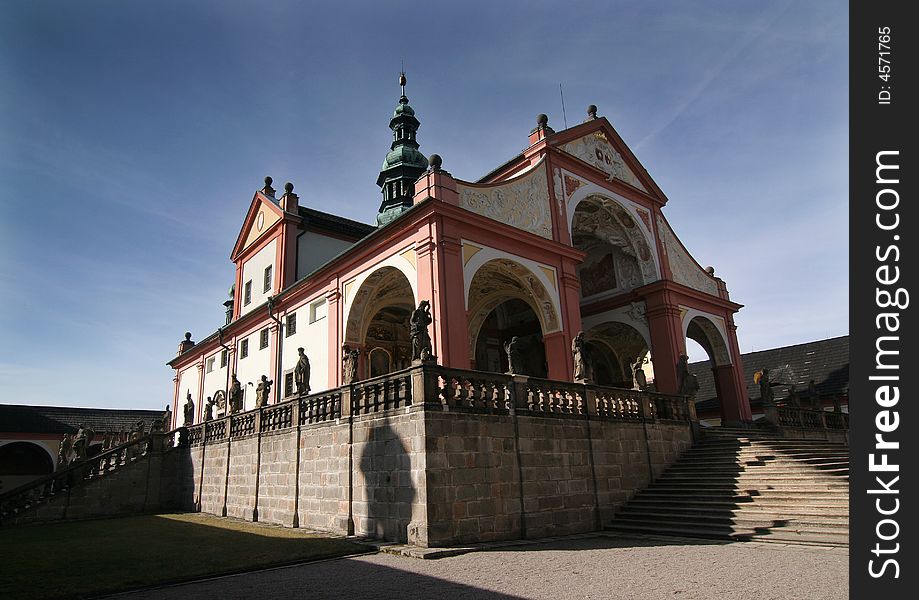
(334, 223)
(824, 361)
(17, 418)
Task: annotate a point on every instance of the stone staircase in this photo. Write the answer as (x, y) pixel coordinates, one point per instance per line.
(746, 485)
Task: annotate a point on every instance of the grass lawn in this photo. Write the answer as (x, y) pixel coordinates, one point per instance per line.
(73, 560)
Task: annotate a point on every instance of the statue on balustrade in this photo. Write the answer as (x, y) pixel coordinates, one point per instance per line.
(65, 451)
(765, 389)
(641, 381)
(108, 441)
(209, 409)
(794, 399)
(814, 396)
(418, 331)
(581, 356)
(82, 440)
(688, 383)
(302, 373)
(167, 418)
(349, 358)
(263, 392)
(189, 410)
(236, 396)
(516, 359)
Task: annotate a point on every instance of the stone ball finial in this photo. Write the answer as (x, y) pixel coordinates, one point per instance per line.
(436, 162)
(187, 336)
(542, 119)
(592, 111)
(268, 181)
(289, 187)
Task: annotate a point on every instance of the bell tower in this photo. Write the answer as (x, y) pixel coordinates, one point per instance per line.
(404, 163)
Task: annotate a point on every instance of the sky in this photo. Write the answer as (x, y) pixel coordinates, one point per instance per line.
(133, 136)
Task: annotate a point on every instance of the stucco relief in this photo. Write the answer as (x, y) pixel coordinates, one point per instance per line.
(596, 151)
(523, 204)
(684, 268)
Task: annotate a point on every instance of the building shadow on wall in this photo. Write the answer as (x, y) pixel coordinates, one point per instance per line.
(383, 489)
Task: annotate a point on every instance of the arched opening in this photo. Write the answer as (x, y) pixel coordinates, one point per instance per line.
(705, 342)
(615, 350)
(512, 318)
(378, 322)
(21, 462)
(507, 300)
(618, 256)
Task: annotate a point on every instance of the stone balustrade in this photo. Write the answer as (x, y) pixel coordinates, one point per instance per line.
(790, 416)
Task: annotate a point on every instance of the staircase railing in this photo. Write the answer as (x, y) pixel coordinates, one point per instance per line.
(790, 416)
(83, 470)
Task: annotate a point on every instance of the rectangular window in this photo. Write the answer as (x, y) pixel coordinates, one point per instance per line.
(288, 384)
(263, 339)
(223, 359)
(247, 293)
(244, 348)
(268, 282)
(291, 324)
(209, 365)
(318, 310)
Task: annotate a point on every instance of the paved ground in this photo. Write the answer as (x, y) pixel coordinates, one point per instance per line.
(606, 567)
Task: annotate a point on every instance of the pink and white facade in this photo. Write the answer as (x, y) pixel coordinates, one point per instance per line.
(567, 236)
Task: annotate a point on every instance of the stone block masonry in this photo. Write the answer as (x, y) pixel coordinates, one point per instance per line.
(436, 468)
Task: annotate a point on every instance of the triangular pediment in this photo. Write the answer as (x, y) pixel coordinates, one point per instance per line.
(262, 215)
(596, 143)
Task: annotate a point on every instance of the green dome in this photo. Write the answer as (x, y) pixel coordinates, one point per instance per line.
(404, 155)
(403, 109)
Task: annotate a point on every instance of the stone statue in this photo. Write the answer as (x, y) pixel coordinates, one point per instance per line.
(302, 373)
(82, 440)
(641, 381)
(814, 396)
(765, 388)
(515, 359)
(209, 409)
(581, 355)
(263, 392)
(107, 441)
(236, 396)
(189, 410)
(349, 358)
(688, 382)
(793, 397)
(65, 451)
(421, 340)
(167, 418)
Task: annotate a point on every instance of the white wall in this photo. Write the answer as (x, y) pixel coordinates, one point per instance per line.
(315, 249)
(188, 382)
(216, 379)
(256, 364)
(254, 271)
(314, 339)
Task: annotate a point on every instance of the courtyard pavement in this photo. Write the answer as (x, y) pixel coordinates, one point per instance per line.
(600, 567)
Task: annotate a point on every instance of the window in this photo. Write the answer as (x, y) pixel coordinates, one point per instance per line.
(247, 293)
(268, 281)
(291, 324)
(209, 365)
(263, 339)
(223, 359)
(244, 348)
(288, 384)
(318, 310)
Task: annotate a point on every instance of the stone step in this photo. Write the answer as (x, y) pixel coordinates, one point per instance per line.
(793, 497)
(752, 476)
(736, 534)
(744, 519)
(829, 469)
(761, 487)
(716, 507)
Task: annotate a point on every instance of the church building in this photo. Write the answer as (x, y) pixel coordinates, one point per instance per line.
(568, 236)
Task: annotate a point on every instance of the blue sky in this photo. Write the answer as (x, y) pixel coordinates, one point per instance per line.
(133, 135)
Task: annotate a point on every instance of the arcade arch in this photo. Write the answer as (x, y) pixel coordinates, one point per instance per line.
(619, 256)
(378, 322)
(505, 300)
(615, 348)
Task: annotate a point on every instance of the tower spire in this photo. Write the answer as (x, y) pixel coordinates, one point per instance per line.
(404, 163)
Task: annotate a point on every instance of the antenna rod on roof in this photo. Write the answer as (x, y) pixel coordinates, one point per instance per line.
(562, 94)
